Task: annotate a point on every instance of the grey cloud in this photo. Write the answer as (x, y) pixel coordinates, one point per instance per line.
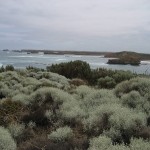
(80, 25)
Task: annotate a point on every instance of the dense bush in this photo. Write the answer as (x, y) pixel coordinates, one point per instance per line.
(6, 141)
(116, 76)
(73, 69)
(7, 68)
(36, 105)
(106, 82)
(135, 93)
(34, 69)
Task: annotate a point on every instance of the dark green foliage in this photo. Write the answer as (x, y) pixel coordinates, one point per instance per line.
(9, 68)
(73, 69)
(120, 76)
(2, 69)
(34, 69)
(106, 82)
(81, 69)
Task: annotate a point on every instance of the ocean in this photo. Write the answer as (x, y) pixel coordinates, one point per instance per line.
(22, 60)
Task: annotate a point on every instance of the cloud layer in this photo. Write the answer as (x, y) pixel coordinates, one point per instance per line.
(75, 24)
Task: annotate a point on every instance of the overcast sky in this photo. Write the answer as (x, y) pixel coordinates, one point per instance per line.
(96, 25)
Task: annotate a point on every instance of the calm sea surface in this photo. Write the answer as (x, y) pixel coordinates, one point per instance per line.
(21, 60)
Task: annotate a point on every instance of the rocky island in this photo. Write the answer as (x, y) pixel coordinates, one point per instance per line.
(125, 58)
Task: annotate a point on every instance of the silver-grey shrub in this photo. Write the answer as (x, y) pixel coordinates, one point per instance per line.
(126, 119)
(16, 129)
(142, 85)
(82, 91)
(136, 101)
(55, 80)
(98, 97)
(6, 141)
(100, 143)
(114, 134)
(118, 147)
(61, 134)
(139, 144)
(95, 116)
(50, 94)
(49, 83)
(23, 98)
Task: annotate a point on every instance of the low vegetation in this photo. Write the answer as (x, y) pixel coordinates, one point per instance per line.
(77, 109)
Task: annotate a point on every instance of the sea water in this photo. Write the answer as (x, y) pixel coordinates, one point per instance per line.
(22, 60)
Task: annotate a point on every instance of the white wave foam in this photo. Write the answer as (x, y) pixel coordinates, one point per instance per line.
(145, 62)
(60, 59)
(98, 64)
(21, 56)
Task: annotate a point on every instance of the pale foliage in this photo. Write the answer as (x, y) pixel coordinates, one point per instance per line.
(61, 134)
(100, 143)
(16, 129)
(6, 141)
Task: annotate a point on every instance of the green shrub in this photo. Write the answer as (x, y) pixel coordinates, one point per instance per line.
(6, 141)
(120, 76)
(61, 134)
(2, 69)
(73, 69)
(106, 82)
(9, 68)
(34, 69)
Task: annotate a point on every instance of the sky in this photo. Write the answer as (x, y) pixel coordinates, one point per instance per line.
(89, 25)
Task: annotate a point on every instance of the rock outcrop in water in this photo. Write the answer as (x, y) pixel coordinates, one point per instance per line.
(125, 58)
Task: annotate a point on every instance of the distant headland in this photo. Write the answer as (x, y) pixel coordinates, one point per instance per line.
(124, 57)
